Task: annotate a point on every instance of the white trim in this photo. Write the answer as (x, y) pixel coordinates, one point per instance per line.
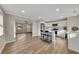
(73, 50)
(2, 47)
(5, 44)
(10, 41)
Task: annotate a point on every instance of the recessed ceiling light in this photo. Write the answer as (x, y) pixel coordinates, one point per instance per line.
(57, 9)
(22, 11)
(39, 17)
(61, 16)
(75, 15)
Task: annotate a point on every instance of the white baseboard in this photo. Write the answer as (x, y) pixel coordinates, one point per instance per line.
(10, 41)
(74, 50)
(5, 44)
(2, 48)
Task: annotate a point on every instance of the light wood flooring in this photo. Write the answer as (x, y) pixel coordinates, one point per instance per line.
(26, 44)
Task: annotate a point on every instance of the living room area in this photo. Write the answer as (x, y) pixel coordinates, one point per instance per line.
(39, 29)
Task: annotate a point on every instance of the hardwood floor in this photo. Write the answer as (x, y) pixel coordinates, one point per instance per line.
(25, 44)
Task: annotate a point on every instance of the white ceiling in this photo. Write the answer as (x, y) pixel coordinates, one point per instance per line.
(42, 11)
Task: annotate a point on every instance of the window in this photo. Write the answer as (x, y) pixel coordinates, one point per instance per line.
(1, 24)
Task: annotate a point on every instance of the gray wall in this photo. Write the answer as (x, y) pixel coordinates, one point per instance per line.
(10, 33)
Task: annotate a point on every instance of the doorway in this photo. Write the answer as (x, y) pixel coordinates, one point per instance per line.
(23, 28)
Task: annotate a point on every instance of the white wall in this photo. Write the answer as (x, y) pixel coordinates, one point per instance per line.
(28, 28)
(10, 32)
(34, 29)
(73, 41)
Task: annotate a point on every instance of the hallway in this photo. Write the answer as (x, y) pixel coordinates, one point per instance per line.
(25, 44)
